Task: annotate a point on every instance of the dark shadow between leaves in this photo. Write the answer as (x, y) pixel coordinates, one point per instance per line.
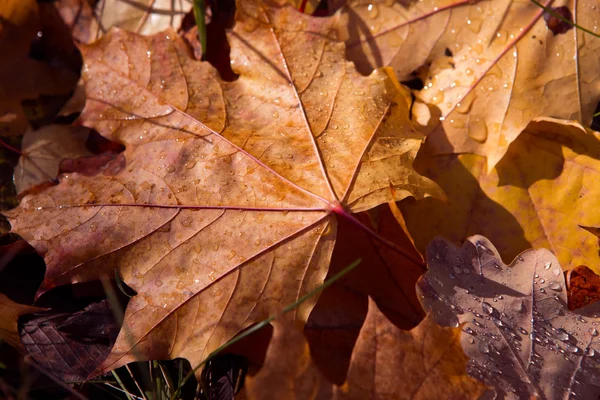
(384, 275)
(537, 154)
(356, 26)
(468, 210)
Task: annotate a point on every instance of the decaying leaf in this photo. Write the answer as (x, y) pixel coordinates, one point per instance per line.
(517, 330)
(387, 363)
(44, 149)
(226, 209)
(490, 66)
(583, 287)
(9, 314)
(70, 345)
(532, 198)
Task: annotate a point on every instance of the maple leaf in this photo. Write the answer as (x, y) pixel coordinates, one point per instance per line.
(535, 197)
(490, 66)
(387, 363)
(518, 332)
(227, 207)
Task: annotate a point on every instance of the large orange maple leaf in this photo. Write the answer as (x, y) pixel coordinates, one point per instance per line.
(226, 207)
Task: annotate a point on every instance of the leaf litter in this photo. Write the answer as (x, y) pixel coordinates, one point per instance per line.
(300, 140)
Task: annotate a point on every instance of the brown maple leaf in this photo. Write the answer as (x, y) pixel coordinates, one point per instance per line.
(489, 66)
(227, 207)
(517, 330)
(387, 363)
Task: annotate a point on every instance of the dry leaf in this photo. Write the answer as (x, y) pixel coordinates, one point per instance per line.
(490, 66)
(227, 207)
(44, 149)
(532, 198)
(9, 315)
(518, 332)
(583, 287)
(70, 345)
(387, 363)
(145, 17)
(22, 77)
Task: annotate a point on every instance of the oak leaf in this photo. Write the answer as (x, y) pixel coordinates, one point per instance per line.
(521, 338)
(533, 198)
(227, 207)
(490, 66)
(387, 363)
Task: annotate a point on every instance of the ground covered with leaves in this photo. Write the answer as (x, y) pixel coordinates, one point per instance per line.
(299, 200)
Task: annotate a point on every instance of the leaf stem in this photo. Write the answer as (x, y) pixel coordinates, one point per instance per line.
(11, 148)
(266, 322)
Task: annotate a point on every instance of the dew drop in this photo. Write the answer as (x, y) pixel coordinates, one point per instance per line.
(487, 308)
(372, 11)
(561, 335)
(483, 347)
(555, 286)
(159, 283)
(547, 265)
(478, 130)
(573, 349)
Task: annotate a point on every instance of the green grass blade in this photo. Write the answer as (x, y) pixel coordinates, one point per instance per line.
(200, 16)
(121, 385)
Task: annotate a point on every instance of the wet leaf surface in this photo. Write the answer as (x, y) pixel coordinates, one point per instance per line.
(227, 207)
(518, 332)
(491, 67)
